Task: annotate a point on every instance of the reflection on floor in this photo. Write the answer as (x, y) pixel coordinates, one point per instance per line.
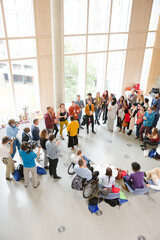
(55, 211)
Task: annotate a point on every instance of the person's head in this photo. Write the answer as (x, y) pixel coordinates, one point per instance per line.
(36, 121)
(109, 172)
(154, 131)
(73, 104)
(24, 146)
(154, 107)
(125, 103)
(80, 162)
(79, 152)
(141, 97)
(121, 99)
(11, 122)
(113, 101)
(106, 93)
(62, 105)
(89, 95)
(5, 140)
(72, 118)
(43, 134)
(97, 94)
(78, 97)
(135, 166)
(149, 110)
(111, 95)
(146, 100)
(51, 137)
(89, 101)
(157, 96)
(143, 109)
(26, 130)
(134, 105)
(49, 109)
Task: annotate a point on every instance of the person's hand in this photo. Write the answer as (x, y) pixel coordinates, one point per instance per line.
(17, 124)
(145, 118)
(58, 143)
(81, 106)
(147, 185)
(56, 120)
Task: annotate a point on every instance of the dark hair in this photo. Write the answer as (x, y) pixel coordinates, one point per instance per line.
(51, 137)
(136, 166)
(26, 130)
(109, 172)
(125, 102)
(89, 94)
(154, 106)
(114, 101)
(24, 146)
(144, 108)
(134, 104)
(11, 121)
(78, 95)
(73, 101)
(35, 120)
(43, 134)
(146, 100)
(71, 117)
(5, 139)
(49, 107)
(121, 97)
(80, 162)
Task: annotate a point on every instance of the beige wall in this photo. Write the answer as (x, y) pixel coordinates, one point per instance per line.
(44, 52)
(141, 11)
(155, 62)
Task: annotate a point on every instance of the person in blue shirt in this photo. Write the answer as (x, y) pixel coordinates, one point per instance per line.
(80, 103)
(156, 116)
(12, 131)
(156, 101)
(148, 120)
(29, 165)
(35, 130)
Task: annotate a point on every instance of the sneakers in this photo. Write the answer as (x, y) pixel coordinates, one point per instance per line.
(56, 178)
(98, 122)
(9, 179)
(94, 132)
(141, 145)
(37, 185)
(46, 167)
(143, 148)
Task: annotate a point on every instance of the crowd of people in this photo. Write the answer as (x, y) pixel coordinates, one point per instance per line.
(132, 112)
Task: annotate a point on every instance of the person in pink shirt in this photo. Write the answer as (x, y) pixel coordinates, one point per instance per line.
(139, 121)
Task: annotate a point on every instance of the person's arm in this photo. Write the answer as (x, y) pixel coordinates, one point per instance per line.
(153, 187)
(82, 104)
(86, 110)
(71, 111)
(150, 119)
(39, 149)
(11, 147)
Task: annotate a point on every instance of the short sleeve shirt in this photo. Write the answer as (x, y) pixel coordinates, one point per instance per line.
(28, 159)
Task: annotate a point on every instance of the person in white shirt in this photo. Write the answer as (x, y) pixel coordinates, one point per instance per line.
(78, 155)
(107, 181)
(5, 154)
(112, 111)
(154, 174)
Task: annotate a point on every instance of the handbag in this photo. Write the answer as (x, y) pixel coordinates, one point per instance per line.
(119, 176)
(127, 118)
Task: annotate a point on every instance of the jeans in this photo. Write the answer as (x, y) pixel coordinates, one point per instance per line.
(15, 144)
(97, 111)
(128, 182)
(87, 160)
(79, 118)
(138, 126)
(53, 167)
(149, 142)
(142, 129)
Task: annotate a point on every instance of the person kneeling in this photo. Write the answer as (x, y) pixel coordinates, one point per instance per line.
(82, 171)
(134, 180)
(72, 130)
(28, 158)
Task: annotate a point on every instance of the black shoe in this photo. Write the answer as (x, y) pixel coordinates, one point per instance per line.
(82, 127)
(87, 131)
(57, 177)
(46, 167)
(98, 122)
(104, 122)
(141, 145)
(143, 148)
(37, 185)
(94, 132)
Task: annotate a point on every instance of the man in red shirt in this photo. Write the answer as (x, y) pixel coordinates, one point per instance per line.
(74, 110)
(50, 121)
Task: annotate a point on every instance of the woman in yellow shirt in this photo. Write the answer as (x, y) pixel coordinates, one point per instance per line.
(72, 130)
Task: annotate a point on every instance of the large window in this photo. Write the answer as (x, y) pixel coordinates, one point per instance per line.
(18, 58)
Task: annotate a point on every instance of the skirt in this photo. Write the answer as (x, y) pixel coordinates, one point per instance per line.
(72, 141)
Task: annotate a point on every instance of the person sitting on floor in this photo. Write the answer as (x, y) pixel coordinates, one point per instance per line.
(82, 171)
(134, 180)
(78, 155)
(25, 135)
(151, 139)
(107, 181)
(155, 176)
(72, 130)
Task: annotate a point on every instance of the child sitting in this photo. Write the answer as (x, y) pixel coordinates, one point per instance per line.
(78, 155)
(134, 180)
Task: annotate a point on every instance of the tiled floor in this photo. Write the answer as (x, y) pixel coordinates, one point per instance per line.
(55, 211)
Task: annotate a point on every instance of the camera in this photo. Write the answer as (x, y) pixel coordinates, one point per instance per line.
(12, 139)
(32, 145)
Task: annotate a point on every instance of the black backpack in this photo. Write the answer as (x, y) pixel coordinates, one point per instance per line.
(112, 202)
(20, 170)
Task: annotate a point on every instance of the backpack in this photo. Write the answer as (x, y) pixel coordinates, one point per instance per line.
(77, 183)
(112, 202)
(20, 170)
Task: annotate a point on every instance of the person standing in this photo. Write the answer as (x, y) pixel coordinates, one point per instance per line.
(112, 110)
(72, 130)
(35, 130)
(6, 151)
(74, 110)
(43, 140)
(28, 158)
(105, 106)
(139, 121)
(53, 150)
(89, 110)
(89, 96)
(62, 115)
(98, 101)
(80, 103)
(156, 101)
(133, 111)
(12, 131)
(132, 98)
(26, 135)
(51, 121)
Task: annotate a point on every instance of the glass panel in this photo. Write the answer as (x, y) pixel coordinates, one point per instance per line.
(2, 34)
(74, 69)
(3, 50)
(99, 12)
(146, 68)
(75, 16)
(121, 13)
(7, 108)
(74, 44)
(154, 15)
(150, 39)
(118, 41)
(95, 73)
(115, 71)
(19, 17)
(25, 84)
(97, 43)
(22, 48)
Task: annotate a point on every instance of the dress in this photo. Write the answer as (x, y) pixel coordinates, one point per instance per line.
(111, 116)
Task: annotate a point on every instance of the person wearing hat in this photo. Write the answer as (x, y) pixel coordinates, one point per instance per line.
(112, 110)
(12, 131)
